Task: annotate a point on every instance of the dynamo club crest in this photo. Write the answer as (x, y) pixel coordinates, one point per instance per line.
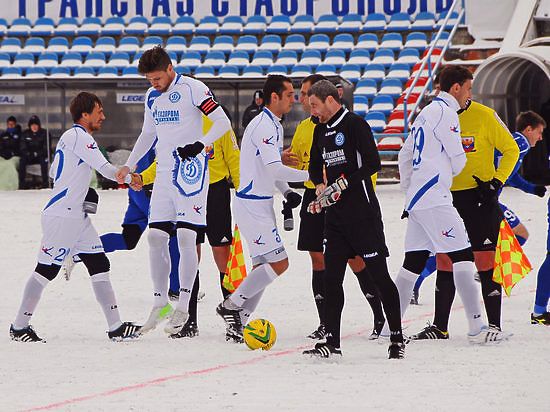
(189, 175)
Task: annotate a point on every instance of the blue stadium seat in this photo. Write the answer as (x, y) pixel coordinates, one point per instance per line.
(382, 103)
(91, 26)
(271, 42)
(160, 26)
(48, 61)
(34, 45)
(375, 22)
(176, 44)
(229, 71)
(137, 26)
(301, 70)
(119, 60)
(3, 26)
(442, 39)
(82, 45)
(130, 45)
(450, 24)
(279, 25)
(376, 120)
(60, 72)
(150, 42)
(205, 72)
(173, 57)
(207, 25)
(391, 87)
(392, 41)
(191, 59)
(84, 72)
(375, 72)
(135, 59)
(351, 23)
(185, 25)
(326, 70)
(303, 24)
(107, 72)
(12, 73)
(360, 105)
(287, 58)
(183, 70)
(114, 26)
(295, 42)
(199, 44)
(327, 23)
(43, 26)
(5, 60)
(66, 26)
(232, 25)
(58, 45)
(23, 61)
(400, 71)
(366, 87)
(320, 42)
(343, 41)
(20, 27)
(95, 60)
(351, 72)
(360, 57)
(335, 57)
(409, 56)
(131, 72)
(11, 45)
(424, 21)
(106, 45)
(215, 59)
(416, 40)
(255, 25)
(223, 44)
(399, 22)
(239, 59)
(71, 60)
(253, 71)
(277, 69)
(311, 58)
(248, 44)
(385, 57)
(367, 41)
(262, 58)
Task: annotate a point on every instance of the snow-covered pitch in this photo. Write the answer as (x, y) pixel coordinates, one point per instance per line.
(80, 369)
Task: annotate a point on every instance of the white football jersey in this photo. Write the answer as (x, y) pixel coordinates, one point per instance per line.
(175, 118)
(432, 148)
(262, 144)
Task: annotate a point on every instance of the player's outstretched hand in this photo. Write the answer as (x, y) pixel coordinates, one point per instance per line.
(540, 190)
(293, 199)
(189, 151)
(288, 158)
(137, 182)
(121, 174)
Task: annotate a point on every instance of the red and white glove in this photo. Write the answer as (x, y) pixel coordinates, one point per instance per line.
(329, 196)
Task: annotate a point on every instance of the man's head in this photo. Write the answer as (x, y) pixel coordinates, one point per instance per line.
(11, 122)
(531, 125)
(278, 94)
(306, 84)
(34, 123)
(156, 66)
(87, 110)
(457, 81)
(324, 100)
(259, 98)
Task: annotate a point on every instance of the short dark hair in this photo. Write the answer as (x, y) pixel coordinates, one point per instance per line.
(323, 89)
(275, 83)
(11, 119)
(83, 102)
(529, 118)
(454, 74)
(155, 59)
(313, 78)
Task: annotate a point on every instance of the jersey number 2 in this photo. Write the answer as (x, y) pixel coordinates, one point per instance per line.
(418, 136)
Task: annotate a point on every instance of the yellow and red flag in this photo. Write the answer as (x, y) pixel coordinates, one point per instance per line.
(511, 264)
(236, 268)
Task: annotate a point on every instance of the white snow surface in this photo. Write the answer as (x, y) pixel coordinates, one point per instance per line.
(80, 369)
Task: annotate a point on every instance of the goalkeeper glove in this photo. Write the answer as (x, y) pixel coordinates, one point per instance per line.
(189, 151)
(329, 196)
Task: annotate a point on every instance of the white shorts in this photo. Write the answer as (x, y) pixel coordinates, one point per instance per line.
(439, 229)
(168, 204)
(256, 221)
(63, 237)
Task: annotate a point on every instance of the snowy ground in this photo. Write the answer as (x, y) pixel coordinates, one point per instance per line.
(79, 369)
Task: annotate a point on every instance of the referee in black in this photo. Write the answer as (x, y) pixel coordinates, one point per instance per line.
(344, 146)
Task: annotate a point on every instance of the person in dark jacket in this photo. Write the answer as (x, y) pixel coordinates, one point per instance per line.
(9, 139)
(33, 150)
(254, 109)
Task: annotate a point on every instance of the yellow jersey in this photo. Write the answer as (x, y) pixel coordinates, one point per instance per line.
(482, 132)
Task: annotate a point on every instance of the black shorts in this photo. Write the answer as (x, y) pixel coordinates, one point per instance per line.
(310, 236)
(482, 221)
(218, 214)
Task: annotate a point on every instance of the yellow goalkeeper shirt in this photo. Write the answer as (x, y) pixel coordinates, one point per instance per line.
(482, 132)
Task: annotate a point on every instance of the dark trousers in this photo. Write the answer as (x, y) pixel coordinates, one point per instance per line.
(24, 162)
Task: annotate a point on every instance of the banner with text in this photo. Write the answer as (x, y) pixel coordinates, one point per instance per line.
(12, 99)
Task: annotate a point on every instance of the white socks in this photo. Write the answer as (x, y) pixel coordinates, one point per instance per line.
(249, 306)
(103, 289)
(31, 296)
(468, 290)
(189, 262)
(405, 283)
(256, 281)
(159, 263)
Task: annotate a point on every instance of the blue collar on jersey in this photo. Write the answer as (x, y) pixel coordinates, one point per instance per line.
(272, 117)
(78, 126)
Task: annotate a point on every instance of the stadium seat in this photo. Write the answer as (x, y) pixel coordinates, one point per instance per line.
(392, 41)
(277, 69)
(229, 71)
(382, 103)
(135, 59)
(327, 23)
(399, 22)
(391, 87)
(442, 39)
(375, 72)
(58, 45)
(107, 72)
(223, 44)
(301, 70)
(95, 60)
(336, 58)
(232, 25)
(416, 40)
(184, 26)
(160, 26)
(390, 143)
(215, 59)
(262, 58)
(367, 41)
(60, 73)
(408, 56)
(5, 60)
(208, 25)
(205, 72)
(399, 71)
(82, 45)
(131, 72)
(360, 105)
(351, 72)
(375, 22)
(311, 58)
(450, 24)
(84, 72)
(3, 26)
(12, 73)
(106, 45)
(176, 44)
(34, 45)
(239, 59)
(23, 61)
(385, 57)
(66, 26)
(271, 42)
(130, 45)
(150, 42)
(20, 27)
(351, 23)
(399, 105)
(303, 24)
(119, 60)
(320, 42)
(376, 120)
(343, 41)
(279, 25)
(199, 44)
(426, 71)
(248, 44)
(253, 71)
(287, 58)
(183, 70)
(137, 26)
(174, 58)
(424, 21)
(191, 59)
(295, 42)
(360, 57)
(397, 121)
(420, 84)
(91, 26)
(71, 60)
(255, 25)
(326, 70)
(47, 61)
(43, 26)
(114, 26)
(366, 87)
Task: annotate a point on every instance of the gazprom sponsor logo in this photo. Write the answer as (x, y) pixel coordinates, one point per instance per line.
(166, 116)
(125, 98)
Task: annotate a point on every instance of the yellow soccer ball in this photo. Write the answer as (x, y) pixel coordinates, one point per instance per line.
(259, 334)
